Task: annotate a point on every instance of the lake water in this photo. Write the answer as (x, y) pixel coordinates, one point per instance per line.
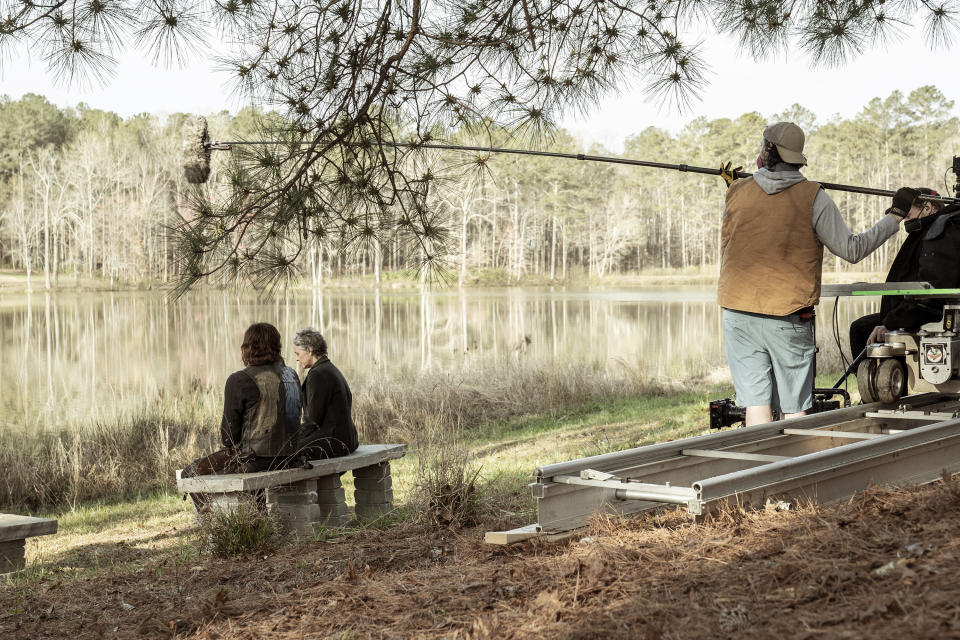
(70, 359)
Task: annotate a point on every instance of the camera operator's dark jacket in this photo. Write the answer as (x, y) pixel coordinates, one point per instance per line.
(930, 254)
(327, 430)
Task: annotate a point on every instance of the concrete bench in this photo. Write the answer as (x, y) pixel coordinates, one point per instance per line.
(308, 498)
(14, 531)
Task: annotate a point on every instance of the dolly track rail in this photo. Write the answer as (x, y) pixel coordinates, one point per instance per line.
(823, 457)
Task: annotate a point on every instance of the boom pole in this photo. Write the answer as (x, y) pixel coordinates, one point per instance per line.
(224, 146)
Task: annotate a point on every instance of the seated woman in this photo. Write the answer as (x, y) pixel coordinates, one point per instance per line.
(328, 430)
(261, 411)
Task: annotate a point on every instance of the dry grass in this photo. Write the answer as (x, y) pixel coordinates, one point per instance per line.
(395, 408)
(448, 478)
(126, 458)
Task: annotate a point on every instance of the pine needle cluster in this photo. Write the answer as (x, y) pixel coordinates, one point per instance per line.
(357, 88)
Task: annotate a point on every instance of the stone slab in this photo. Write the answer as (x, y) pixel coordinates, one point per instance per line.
(13, 527)
(365, 456)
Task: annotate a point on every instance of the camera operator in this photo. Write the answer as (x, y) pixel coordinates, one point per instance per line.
(929, 254)
(775, 225)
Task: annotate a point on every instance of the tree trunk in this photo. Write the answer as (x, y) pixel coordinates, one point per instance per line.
(553, 250)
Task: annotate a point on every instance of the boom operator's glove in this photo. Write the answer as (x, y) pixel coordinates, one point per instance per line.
(728, 175)
(903, 199)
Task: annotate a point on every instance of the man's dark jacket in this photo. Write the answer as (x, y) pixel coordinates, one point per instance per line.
(932, 255)
(327, 430)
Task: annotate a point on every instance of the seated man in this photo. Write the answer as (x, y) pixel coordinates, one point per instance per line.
(327, 430)
(929, 254)
(261, 412)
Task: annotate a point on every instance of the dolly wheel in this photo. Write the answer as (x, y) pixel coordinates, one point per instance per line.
(865, 380)
(889, 381)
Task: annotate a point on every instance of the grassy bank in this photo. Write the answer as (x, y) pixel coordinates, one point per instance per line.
(139, 569)
(120, 534)
(138, 454)
(582, 409)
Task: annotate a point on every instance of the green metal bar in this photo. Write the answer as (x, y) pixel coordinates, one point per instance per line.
(927, 293)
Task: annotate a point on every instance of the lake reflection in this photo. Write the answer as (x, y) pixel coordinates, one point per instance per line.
(70, 359)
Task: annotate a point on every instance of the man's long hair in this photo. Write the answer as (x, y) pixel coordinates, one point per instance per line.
(770, 154)
(261, 345)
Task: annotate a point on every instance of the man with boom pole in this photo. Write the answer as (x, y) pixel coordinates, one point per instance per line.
(775, 225)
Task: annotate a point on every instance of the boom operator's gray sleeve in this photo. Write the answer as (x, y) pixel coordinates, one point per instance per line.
(836, 235)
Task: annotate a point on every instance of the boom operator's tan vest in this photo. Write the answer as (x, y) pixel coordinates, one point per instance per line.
(770, 257)
(264, 428)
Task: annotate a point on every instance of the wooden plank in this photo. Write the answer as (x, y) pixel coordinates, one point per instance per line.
(14, 527)
(365, 456)
(733, 455)
(511, 536)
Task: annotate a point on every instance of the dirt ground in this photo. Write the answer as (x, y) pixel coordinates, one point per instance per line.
(884, 565)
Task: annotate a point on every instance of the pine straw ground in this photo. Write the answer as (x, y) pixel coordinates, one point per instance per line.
(884, 565)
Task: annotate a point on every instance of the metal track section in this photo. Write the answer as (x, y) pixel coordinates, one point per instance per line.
(824, 457)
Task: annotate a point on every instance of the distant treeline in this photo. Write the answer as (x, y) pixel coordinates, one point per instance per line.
(84, 192)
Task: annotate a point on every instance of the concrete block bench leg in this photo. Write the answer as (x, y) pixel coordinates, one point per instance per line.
(12, 558)
(305, 506)
(296, 504)
(373, 491)
(225, 501)
(332, 501)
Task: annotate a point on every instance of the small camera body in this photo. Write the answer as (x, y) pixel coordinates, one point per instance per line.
(724, 413)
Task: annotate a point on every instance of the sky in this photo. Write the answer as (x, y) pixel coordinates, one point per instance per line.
(737, 84)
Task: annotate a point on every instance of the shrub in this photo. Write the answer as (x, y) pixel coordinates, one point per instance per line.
(245, 529)
(448, 482)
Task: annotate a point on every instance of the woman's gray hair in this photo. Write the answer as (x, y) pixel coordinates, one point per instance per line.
(311, 340)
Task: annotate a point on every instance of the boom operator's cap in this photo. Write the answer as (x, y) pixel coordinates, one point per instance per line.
(789, 140)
